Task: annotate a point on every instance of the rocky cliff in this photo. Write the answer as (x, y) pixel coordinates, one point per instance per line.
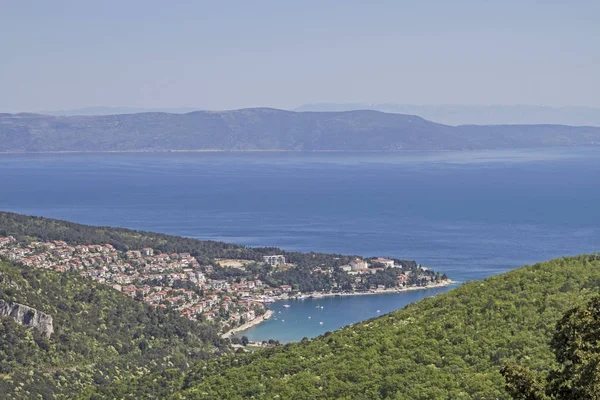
(27, 316)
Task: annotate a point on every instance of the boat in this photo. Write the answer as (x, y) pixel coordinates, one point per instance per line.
(309, 317)
(286, 305)
(320, 323)
(322, 307)
(378, 311)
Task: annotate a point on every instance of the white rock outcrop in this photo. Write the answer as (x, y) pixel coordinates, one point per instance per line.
(27, 316)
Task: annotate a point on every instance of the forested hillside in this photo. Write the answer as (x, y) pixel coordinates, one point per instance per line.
(99, 335)
(105, 345)
(452, 346)
(270, 129)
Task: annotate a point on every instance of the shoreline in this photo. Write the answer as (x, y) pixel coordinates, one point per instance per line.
(317, 295)
(248, 325)
(401, 151)
(58, 152)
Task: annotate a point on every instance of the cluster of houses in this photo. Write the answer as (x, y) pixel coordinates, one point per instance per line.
(174, 280)
(358, 267)
(178, 281)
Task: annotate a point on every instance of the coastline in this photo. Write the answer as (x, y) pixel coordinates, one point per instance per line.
(248, 324)
(317, 295)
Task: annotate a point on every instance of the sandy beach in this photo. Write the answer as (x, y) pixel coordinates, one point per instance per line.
(248, 324)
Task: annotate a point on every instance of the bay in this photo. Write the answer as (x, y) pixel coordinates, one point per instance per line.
(468, 214)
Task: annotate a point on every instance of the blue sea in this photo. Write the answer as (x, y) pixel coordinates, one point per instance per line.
(469, 214)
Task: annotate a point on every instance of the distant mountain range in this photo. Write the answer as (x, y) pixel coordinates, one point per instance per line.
(271, 129)
(117, 111)
(480, 115)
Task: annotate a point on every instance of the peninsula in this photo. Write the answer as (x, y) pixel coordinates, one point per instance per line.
(226, 285)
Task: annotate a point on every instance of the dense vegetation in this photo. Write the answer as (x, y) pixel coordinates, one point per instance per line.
(576, 346)
(25, 227)
(452, 346)
(270, 129)
(99, 335)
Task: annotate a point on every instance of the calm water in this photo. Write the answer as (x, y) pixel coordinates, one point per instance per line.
(468, 214)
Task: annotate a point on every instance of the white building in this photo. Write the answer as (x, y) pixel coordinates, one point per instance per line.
(358, 263)
(275, 260)
(385, 261)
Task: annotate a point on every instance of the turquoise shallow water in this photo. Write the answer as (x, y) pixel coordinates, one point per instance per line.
(468, 214)
(303, 317)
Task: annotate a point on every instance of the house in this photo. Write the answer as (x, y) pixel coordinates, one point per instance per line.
(385, 261)
(147, 251)
(286, 288)
(5, 241)
(82, 249)
(274, 260)
(162, 257)
(345, 268)
(133, 254)
(357, 264)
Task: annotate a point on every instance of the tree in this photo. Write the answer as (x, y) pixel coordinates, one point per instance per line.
(576, 346)
(244, 340)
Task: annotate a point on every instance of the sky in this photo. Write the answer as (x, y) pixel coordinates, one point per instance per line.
(232, 54)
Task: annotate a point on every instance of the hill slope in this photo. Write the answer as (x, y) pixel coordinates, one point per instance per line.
(451, 114)
(99, 335)
(270, 129)
(451, 346)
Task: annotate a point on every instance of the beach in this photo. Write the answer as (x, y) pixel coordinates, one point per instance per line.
(319, 295)
(248, 324)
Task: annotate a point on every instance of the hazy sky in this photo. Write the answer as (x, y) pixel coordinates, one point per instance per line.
(230, 54)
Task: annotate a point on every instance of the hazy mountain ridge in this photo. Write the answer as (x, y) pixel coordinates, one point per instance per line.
(473, 114)
(117, 110)
(272, 129)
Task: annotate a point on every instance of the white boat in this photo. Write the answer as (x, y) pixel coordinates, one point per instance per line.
(309, 317)
(320, 323)
(286, 305)
(322, 307)
(378, 311)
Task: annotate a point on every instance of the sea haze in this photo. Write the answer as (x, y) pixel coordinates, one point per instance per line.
(468, 214)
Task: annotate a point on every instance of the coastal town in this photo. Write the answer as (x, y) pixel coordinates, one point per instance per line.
(177, 281)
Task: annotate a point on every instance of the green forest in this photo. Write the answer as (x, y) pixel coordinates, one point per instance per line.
(451, 346)
(99, 336)
(531, 333)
